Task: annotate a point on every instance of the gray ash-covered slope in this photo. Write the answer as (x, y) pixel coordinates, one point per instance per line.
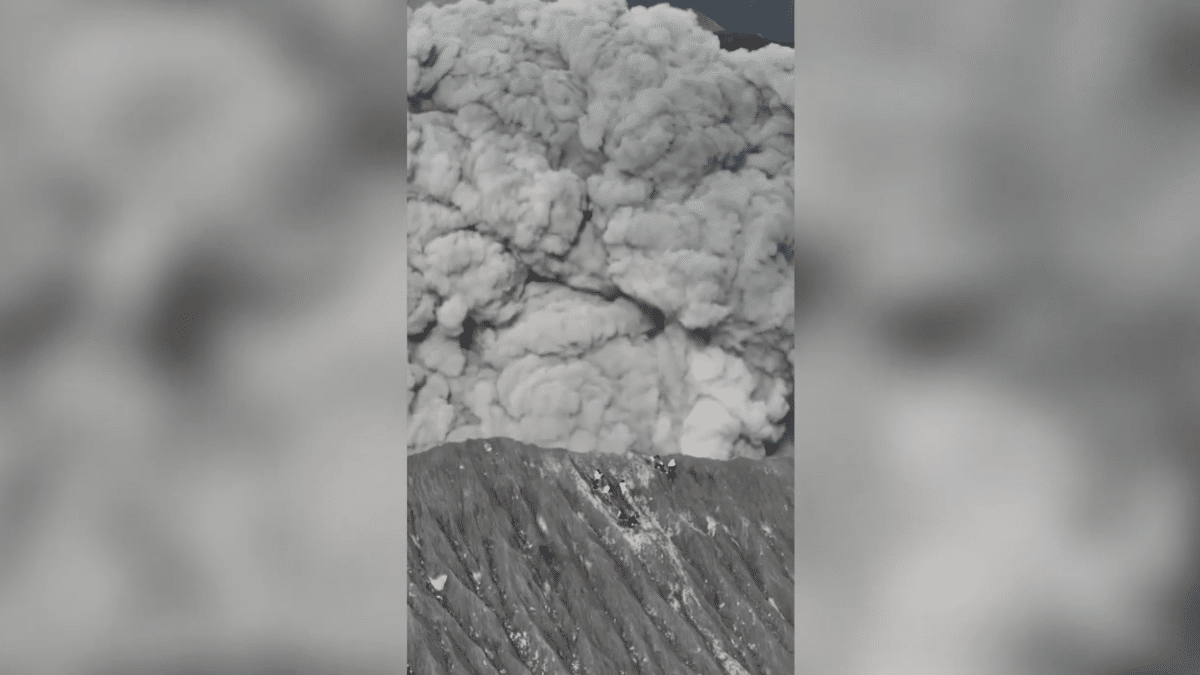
(539, 576)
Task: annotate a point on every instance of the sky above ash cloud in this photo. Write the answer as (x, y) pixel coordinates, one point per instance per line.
(772, 19)
(600, 226)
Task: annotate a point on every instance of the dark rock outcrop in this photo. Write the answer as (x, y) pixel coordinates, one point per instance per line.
(539, 576)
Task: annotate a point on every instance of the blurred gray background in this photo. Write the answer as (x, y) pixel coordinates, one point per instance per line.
(999, 336)
(201, 352)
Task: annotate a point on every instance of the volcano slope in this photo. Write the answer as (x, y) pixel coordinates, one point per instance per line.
(539, 577)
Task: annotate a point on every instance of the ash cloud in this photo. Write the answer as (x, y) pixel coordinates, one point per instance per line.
(604, 199)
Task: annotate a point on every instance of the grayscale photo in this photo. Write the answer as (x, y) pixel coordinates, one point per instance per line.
(601, 231)
(998, 337)
(604, 385)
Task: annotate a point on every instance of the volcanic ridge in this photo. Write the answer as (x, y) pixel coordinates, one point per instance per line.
(529, 561)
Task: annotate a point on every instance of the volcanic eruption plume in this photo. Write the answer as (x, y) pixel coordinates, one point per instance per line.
(600, 231)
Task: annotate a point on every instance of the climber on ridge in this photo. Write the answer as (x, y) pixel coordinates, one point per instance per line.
(596, 479)
(671, 469)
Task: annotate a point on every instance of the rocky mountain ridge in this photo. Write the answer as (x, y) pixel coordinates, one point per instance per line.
(518, 566)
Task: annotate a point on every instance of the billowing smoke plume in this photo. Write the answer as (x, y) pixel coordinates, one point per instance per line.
(600, 230)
